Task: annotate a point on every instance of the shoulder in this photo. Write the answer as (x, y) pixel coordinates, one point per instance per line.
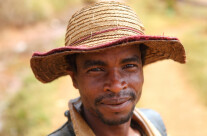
(155, 119)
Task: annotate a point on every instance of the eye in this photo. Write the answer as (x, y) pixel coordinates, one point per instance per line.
(97, 69)
(128, 66)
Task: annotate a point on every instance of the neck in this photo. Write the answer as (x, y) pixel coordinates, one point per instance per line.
(102, 129)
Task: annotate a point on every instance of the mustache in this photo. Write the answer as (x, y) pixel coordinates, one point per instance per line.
(111, 95)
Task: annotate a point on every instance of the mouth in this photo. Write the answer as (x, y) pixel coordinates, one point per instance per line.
(116, 105)
(115, 101)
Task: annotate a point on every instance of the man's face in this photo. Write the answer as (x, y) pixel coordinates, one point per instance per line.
(110, 83)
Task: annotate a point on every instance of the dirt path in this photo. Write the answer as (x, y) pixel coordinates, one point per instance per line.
(167, 90)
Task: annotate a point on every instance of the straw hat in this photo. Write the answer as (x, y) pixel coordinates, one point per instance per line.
(100, 26)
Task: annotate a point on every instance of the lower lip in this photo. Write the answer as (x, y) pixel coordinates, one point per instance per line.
(116, 108)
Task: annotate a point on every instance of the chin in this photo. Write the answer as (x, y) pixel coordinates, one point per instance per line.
(115, 118)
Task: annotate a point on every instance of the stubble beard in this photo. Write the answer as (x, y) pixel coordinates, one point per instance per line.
(121, 120)
(113, 122)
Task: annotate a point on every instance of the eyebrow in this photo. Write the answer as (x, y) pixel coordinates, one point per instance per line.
(91, 63)
(131, 59)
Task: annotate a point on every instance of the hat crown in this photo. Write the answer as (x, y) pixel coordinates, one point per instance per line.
(102, 22)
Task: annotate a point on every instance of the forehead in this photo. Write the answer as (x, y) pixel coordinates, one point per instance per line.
(113, 52)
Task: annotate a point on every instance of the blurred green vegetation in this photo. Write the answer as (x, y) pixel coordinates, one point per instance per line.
(29, 113)
(23, 12)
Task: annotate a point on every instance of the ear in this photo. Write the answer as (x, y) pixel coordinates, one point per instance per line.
(73, 77)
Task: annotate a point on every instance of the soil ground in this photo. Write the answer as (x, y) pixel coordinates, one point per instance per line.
(168, 91)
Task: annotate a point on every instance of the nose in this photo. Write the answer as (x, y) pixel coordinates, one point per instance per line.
(115, 82)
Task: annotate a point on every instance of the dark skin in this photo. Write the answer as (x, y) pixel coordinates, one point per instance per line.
(110, 84)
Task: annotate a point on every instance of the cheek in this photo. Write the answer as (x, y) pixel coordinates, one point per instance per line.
(89, 90)
(91, 84)
(135, 81)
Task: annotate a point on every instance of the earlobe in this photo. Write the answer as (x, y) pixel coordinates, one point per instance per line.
(73, 77)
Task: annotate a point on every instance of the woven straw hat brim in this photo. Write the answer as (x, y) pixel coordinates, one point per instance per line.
(52, 65)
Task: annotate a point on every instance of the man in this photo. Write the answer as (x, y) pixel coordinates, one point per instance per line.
(104, 53)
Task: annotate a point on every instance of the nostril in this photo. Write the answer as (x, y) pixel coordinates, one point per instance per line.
(106, 90)
(124, 85)
(115, 86)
